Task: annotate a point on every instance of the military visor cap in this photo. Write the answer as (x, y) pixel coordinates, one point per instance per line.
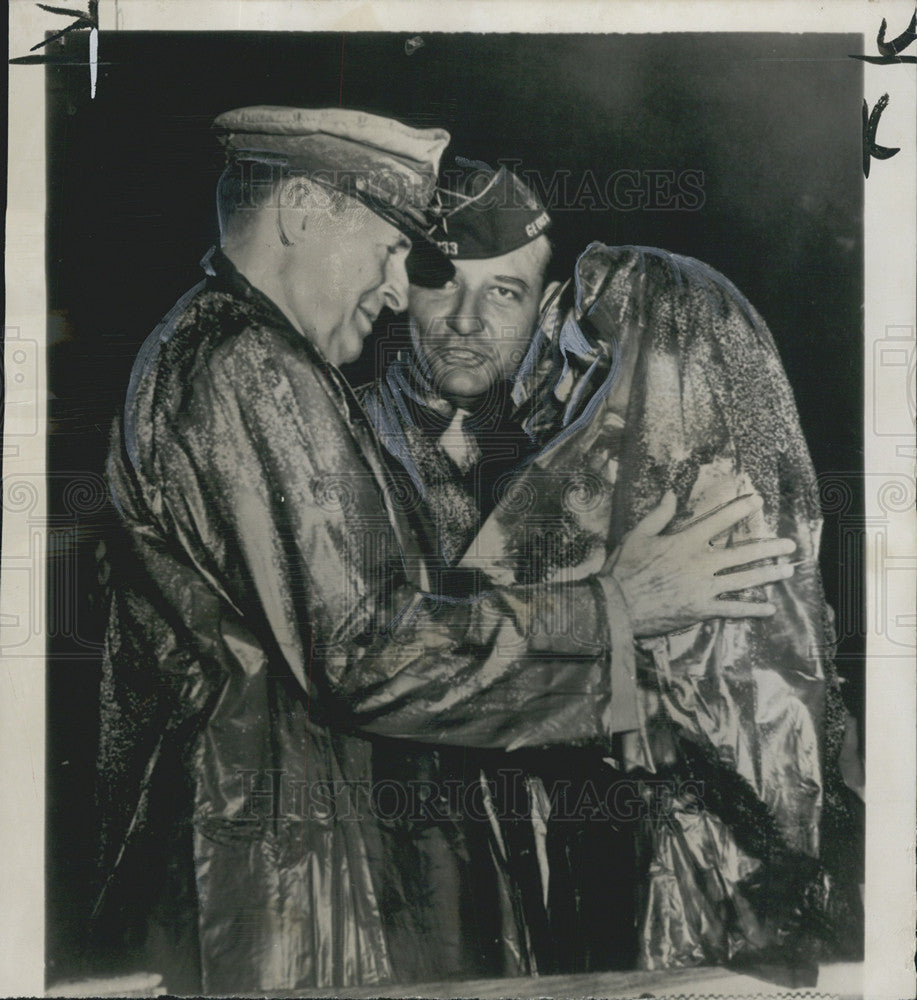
(387, 165)
(489, 214)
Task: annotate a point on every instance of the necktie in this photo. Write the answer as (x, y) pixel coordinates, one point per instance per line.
(459, 443)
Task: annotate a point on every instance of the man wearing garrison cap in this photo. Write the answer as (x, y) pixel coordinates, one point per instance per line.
(444, 411)
(449, 396)
(274, 610)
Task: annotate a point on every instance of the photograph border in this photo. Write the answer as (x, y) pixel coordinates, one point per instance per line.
(890, 227)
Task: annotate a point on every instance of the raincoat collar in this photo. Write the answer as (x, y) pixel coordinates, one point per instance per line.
(223, 275)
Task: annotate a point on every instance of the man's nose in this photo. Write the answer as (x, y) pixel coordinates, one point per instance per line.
(395, 284)
(465, 320)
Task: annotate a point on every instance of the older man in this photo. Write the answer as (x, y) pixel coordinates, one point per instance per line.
(273, 608)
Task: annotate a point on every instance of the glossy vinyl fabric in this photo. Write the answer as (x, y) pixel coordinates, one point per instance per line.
(271, 617)
(741, 721)
(273, 623)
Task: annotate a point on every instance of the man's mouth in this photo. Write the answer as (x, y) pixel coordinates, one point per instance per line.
(462, 356)
(369, 316)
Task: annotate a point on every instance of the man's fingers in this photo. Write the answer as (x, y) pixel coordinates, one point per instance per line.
(659, 517)
(727, 516)
(755, 577)
(732, 557)
(746, 543)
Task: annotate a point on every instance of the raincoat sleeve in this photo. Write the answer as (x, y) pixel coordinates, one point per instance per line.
(274, 493)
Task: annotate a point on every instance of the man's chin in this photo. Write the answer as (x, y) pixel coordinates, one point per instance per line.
(349, 347)
(466, 393)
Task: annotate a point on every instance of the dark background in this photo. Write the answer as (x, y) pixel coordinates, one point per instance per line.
(772, 121)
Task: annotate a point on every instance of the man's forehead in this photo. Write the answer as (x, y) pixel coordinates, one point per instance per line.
(395, 237)
(377, 228)
(527, 262)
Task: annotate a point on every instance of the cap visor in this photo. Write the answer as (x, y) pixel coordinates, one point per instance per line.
(427, 265)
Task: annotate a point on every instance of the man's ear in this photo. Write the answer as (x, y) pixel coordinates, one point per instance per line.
(547, 295)
(293, 198)
(295, 192)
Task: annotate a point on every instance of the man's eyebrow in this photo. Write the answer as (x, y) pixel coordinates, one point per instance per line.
(511, 278)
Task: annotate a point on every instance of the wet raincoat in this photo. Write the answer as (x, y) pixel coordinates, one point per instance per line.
(663, 377)
(272, 614)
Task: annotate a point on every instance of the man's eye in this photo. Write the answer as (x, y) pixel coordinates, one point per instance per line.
(506, 294)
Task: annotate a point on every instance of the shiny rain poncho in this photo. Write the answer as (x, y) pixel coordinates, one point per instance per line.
(271, 613)
(663, 378)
